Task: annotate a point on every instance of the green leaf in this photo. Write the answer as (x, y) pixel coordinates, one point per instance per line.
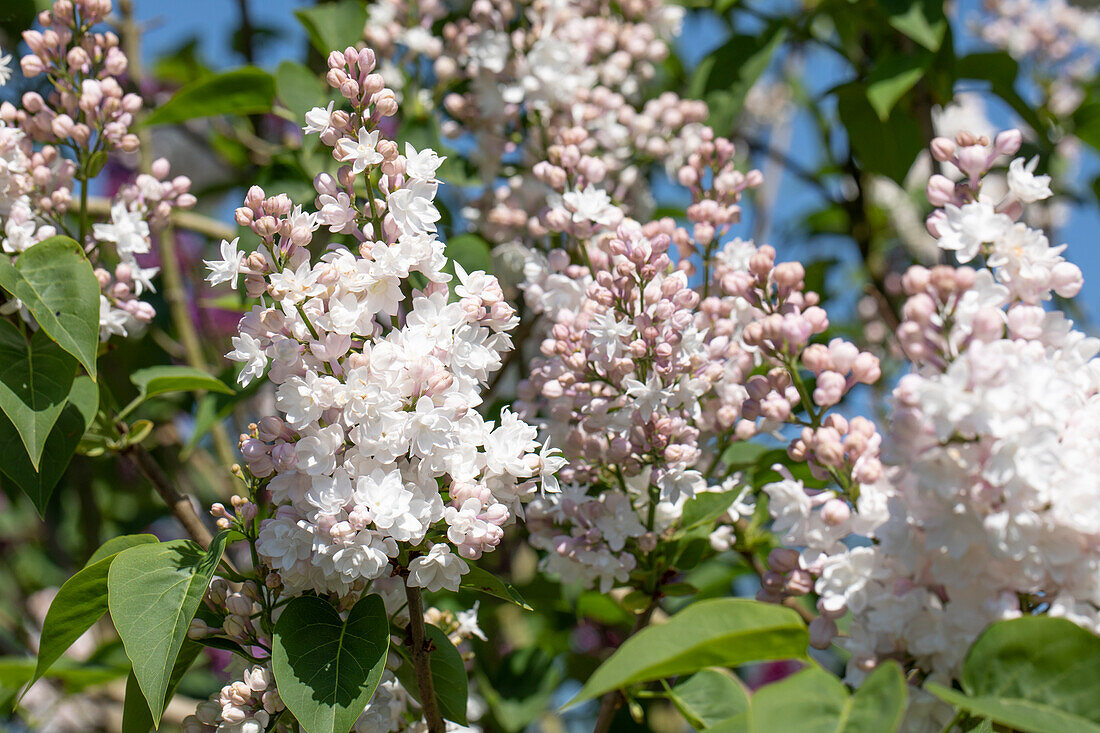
(75, 418)
(603, 608)
(57, 284)
(1034, 673)
(716, 633)
(727, 74)
(485, 582)
(922, 20)
(243, 91)
(887, 148)
(213, 408)
(448, 676)
(709, 697)
(116, 545)
(520, 689)
(159, 380)
(744, 454)
(35, 381)
(1025, 716)
(17, 671)
(471, 251)
(702, 509)
(1086, 119)
(80, 602)
(299, 88)
(135, 711)
(153, 592)
(327, 668)
(814, 701)
(892, 78)
(334, 26)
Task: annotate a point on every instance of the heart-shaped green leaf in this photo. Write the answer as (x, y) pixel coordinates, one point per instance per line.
(724, 632)
(153, 592)
(81, 601)
(72, 423)
(35, 381)
(327, 668)
(56, 283)
(1035, 674)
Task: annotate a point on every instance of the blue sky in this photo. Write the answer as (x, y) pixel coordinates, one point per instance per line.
(170, 23)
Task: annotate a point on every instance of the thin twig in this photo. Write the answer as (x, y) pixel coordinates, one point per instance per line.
(421, 659)
(179, 504)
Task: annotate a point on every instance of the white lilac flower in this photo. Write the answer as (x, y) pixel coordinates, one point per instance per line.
(412, 207)
(248, 350)
(128, 230)
(228, 268)
(1024, 184)
(361, 152)
(423, 164)
(438, 570)
(318, 119)
(592, 204)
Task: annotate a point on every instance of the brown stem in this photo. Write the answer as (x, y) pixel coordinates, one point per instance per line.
(611, 701)
(421, 659)
(179, 504)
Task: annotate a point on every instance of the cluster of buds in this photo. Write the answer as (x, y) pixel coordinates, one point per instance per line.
(844, 449)
(605, 367)
(781, 319)
(352, 73)
(88, 104)
(974, 156)
(86, 112)
(246, 705)
(716, 188)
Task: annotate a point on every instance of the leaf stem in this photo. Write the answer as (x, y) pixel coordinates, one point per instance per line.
(421, 659)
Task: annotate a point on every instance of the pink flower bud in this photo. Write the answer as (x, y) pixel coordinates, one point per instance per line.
(835, 512)
(1008, 142)
(943, 149)
(822, 632)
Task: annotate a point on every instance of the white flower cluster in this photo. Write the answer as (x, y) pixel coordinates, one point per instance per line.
(988, 507)
(82, 109)
(379, 450)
